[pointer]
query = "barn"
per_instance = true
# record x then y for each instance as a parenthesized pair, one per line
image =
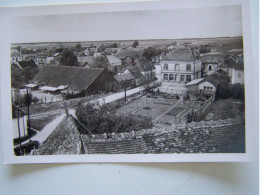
(76, 79)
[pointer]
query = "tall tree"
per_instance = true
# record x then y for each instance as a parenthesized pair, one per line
(68, 59)
(135, 44)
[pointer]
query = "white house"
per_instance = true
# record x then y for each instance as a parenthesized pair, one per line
(113, 60)
(235, 68)
(16, 55)
(178, 68)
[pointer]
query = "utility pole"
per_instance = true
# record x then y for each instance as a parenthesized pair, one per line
(125, 89)
(29, 123)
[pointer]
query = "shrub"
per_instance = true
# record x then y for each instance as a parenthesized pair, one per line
(235, 91)
(104, 119)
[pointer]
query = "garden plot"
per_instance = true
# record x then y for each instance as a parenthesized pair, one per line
(151, 107)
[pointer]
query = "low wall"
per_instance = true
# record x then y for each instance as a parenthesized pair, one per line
(158, 129)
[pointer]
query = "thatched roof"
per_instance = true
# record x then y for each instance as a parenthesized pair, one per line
(76, 78)
(182, 54)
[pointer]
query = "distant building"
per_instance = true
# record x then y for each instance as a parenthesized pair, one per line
(145, 67)
(135, 72)
(235, 68)
(21, 65)
(16, 55)
(212, 61)
(113, 60)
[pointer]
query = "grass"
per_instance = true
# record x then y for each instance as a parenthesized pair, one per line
(39, 123)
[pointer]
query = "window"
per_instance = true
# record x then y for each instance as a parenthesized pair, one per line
(205, 87)
(165, 77)
(210, 67)
(176, 77)
(188, 78)
(188, 67)
(171, 77)
(165, 66)
(211, 88)
(182, 77)
(177, 67)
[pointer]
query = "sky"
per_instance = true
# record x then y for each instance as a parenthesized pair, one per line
(158, 24)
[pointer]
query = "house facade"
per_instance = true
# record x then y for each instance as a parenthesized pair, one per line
(180, 67)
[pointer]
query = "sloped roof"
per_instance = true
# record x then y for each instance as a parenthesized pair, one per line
(181, 54)
(65, 139)
(113, 59)
(215, 78)
(135, 72)
(27, 64)
(143, 64)
(15, 52)
(213, 58)
(124, 77)
(76, 78)
(133, 53)
(194, 82)
(236, 62)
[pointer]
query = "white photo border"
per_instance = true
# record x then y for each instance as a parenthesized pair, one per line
(8, 15)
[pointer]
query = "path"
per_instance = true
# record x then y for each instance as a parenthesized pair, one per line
(117, 96)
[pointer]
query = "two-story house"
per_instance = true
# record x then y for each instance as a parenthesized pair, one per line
(178, 68)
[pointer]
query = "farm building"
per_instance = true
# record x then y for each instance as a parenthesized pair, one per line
(135, 72)
(211, 62)
(235, 68)
(208, 85)
(145, 67)
(76, 79)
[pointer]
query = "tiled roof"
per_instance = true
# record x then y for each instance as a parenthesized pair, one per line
(124, 77)
(133, 53)
(143, 64)
(27, 64)
(135, 72)
(236, 62)
(184, 54)
(113, 60)
(75, 77)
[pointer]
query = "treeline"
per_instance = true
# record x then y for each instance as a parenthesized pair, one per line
(225, 91)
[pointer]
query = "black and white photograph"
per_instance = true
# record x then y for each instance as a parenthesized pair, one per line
(139, 83)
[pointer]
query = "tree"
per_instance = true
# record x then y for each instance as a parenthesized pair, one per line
(78, 46)
(135, 44)
(68, 59)
(100, 62)
(151, 52)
